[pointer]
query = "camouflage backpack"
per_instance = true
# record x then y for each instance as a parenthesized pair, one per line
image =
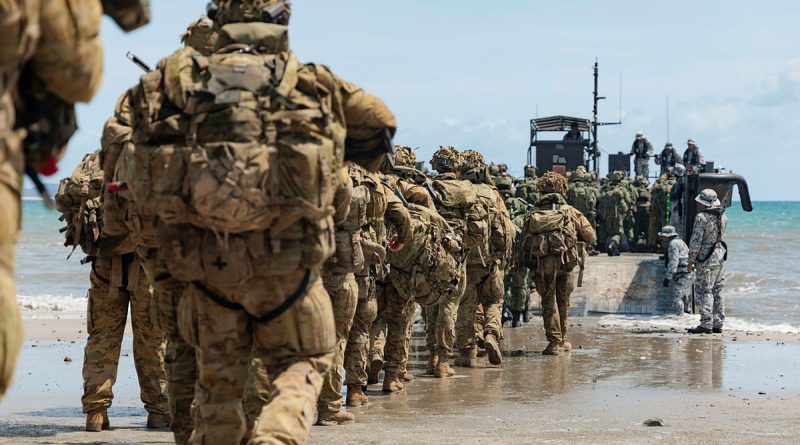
(582, 197)
(501, 237)
(426, 267)
(549, 232)
(460, 205)
(244, 146)
(349, 254)
(78, 200)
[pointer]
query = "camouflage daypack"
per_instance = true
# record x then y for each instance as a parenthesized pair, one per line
(78, 200)
(243, 146)
(426, 267)
(549, 233)
(458, 203)
(583, 198)
(349, 254)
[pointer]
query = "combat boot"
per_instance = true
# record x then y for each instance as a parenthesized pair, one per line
(407, 376)
(97, 421)
(392, 383)
(356, 396)
(493, 349)
(443, 368)
(516, 319)
(699, 330)
(433, 361)
(158, 421)
(329, 418)
(468, 358)
(552, 348)
(526, 316)
(375, 367)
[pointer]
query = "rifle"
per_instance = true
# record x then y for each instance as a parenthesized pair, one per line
(139, 62)
(276, 12)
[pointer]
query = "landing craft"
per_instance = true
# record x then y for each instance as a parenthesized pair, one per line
(630, 284)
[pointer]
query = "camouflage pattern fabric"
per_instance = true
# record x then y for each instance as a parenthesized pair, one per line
(295, 349)
(681, 281)
(397, 319)
(554, 286)
(10, 322)
(343, 291)
(707, 254)
(659, 212)
(118, 283)
(179, 357)
(484, 287)
(356, 353)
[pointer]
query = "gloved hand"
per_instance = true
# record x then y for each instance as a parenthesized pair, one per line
(666, 282)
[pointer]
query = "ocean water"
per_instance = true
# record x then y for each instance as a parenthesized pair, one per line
(763, 268)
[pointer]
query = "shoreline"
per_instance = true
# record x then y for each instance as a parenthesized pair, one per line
(704, 388)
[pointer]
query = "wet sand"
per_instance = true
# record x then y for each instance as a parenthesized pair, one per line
(729, 388)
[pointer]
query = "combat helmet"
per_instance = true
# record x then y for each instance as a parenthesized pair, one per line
(242, 11)
(472, 159)
(446, 160)
(615, 177)
(552, 182)
(641, 181)
(529, 172)
(404, 156)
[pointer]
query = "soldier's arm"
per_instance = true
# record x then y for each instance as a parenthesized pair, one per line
(585, 230)
(69, 56)
(341, 199)
(416, 195)
(398, 217)
(696, 242)
(673, 253)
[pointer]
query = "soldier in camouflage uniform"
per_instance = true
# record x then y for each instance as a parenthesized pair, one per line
(389, 227)
(250, 249)
(118, 282)
(583, 194)
(51, 55)
(707, 255)
(553, 270)
(518, 282)
(659, 208)
(678, 278)
(526, 189)
(641, 214)
(485, 282)
(614, 207)
(677, 196)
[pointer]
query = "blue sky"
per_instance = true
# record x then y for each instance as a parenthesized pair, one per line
(472, 74)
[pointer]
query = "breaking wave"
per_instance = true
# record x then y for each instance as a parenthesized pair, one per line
(679, 324)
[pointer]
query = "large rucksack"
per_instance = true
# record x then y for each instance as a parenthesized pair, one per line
(78, 200)
(244, 147)
(583, 198)
(426, 267)
(550, 233)
(501, 234)
(459, 204)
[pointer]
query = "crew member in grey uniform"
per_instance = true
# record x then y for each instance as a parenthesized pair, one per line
(693, 158)
(707, 254)
(642, 151)
(668, 158)
(678, 279)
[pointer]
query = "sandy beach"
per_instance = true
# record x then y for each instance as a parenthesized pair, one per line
(737, 387)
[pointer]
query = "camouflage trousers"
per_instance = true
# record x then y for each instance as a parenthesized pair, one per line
(119, 282)
(440, 320)
(356, 352)
(399, 316)
(484, 287)
(680, 290)
(179, 358)
(296, 350)
(642, 166)
(709, 284)
(343, 291)
(10, 323)
(519, 292)
(554, 287)
(614, 230)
